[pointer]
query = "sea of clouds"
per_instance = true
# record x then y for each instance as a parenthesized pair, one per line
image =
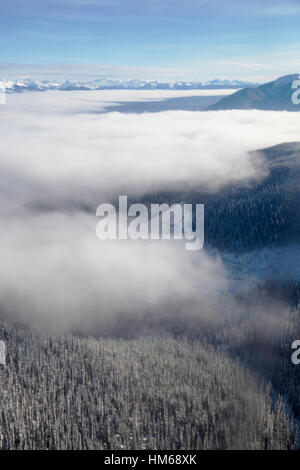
(64, 153)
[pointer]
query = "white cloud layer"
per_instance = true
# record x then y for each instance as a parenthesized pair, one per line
(58, 150)
(58, 146)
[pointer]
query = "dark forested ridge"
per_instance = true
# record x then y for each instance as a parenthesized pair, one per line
(255, 215)
(265, 214)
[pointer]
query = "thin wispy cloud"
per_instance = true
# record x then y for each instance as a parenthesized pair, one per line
(280, 10)
(156, 38)
(247, 65)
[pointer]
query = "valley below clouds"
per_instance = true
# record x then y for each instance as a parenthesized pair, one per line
(64, 153)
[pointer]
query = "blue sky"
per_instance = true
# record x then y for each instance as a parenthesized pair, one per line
(149, 39)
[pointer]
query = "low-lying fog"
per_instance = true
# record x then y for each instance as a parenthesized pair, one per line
(61, 151)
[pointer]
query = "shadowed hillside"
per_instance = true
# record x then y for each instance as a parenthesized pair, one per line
(275, 96)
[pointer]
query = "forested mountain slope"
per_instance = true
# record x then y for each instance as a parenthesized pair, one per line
(76, 393)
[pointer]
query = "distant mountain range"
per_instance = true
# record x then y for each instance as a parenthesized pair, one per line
(106, 84)
(274, 96)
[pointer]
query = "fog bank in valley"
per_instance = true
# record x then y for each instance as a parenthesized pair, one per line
(60, 156)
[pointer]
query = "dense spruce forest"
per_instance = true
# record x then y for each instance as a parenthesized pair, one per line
(232, 386)
(81, 393)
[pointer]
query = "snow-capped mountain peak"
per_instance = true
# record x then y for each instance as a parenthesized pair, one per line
(102, 83)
